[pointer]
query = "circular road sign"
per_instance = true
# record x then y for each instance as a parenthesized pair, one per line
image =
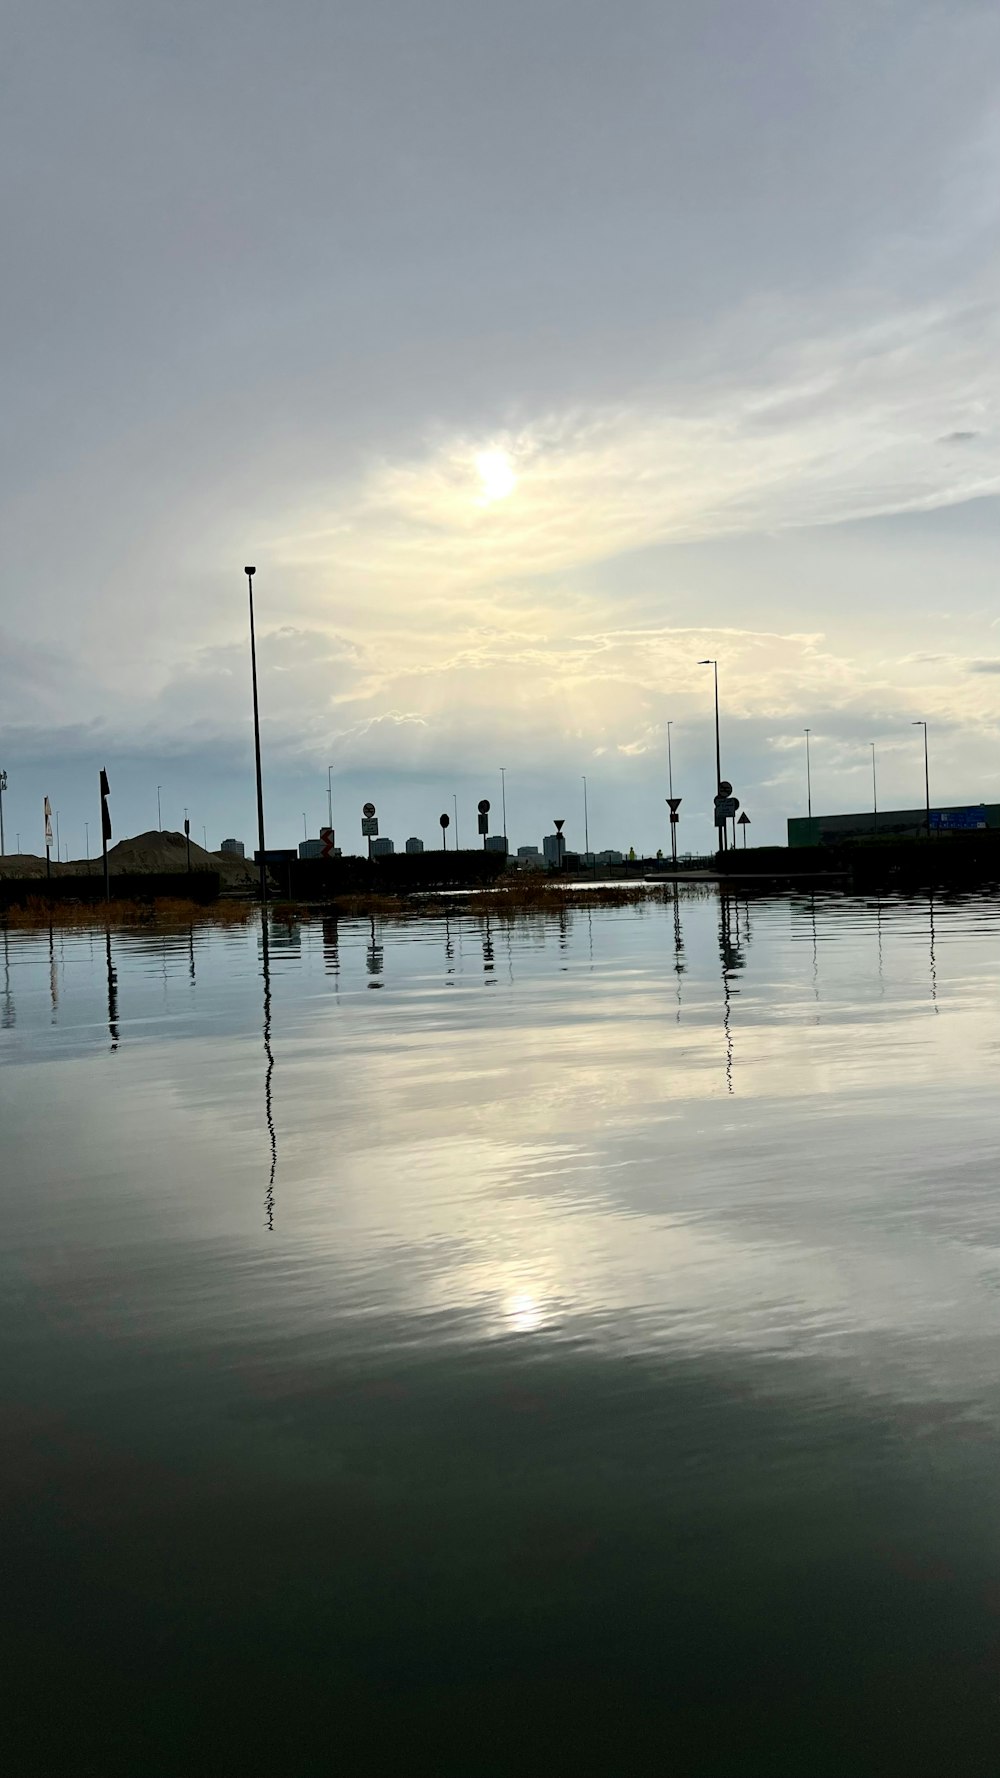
(484, 807)
(445, 820)
(369, 810)
(725, 788)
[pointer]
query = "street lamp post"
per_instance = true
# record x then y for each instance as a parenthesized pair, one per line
(329, 795)
(3, 786)
(919, 723)
(250, 572)
(586, 823)
(874, 789)
(809, 786)
(159, 817)
(503, 805)
(718, 750)
(454, 798)
(670, 785)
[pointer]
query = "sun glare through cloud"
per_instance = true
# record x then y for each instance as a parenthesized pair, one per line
(496, 476)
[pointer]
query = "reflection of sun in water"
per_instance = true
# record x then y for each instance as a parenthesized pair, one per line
(523, 1312)
(496, 476)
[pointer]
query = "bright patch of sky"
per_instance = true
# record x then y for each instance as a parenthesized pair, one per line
(532, 353)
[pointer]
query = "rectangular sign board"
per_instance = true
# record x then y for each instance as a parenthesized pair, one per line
(942, 819)
(369, 827)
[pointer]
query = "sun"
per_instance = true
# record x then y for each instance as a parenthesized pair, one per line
(496, 476)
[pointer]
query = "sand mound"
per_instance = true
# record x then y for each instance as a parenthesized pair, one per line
(144, 852)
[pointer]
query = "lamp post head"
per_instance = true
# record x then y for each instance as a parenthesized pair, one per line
(249, 570)
(706, 663)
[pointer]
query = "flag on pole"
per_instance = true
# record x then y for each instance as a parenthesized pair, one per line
(105, 811)
(48, 822)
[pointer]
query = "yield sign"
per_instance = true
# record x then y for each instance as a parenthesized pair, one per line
(674, 803)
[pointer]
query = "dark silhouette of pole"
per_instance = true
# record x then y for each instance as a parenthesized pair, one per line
(809, 786)
(718, 749)
(927, 775)
(329, 795)
(874, 788)
(503, 805)
(3, 786)
(586, 823)
(105, 831)
(670, 783)
(250, 572)
(454, 798)
(159, 817)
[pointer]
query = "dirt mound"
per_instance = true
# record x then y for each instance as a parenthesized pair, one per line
(144, 852)
(167, 851)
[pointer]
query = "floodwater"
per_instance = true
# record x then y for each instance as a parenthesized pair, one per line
(565, 1347)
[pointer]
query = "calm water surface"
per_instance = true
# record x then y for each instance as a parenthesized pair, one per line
(567, 1347)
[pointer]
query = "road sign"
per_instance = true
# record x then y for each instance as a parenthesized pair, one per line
(369, 827)
(484, 822)
(369, 810)
(445, 820)
(744, 820)
(674, 817)
(559, 825)
(725, 788)
(725, 809)
(484, 807)
(326, 841)
(187, 825)
(674, 803)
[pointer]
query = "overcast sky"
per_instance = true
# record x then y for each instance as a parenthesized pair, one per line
(531, 352)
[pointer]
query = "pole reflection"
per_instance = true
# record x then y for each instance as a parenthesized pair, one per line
(374, 958)
(112, 991)
(268, 1071)
(7, 1016)
(679, 964)
(732, 961)
(930, 917)
(53, 976)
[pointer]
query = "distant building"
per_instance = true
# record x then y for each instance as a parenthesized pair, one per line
(831, 830)
(232, 849)
(609, 857)
(554, 848)
(497, 842)
(414, 845)
(310, 848)
(527, 852)
(382, 848)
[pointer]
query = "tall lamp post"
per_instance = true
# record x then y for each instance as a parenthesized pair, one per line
(250, 572)
(3, 786)
(809, 783)
(874, 788)
(670, 785)
(718, 751)
(329, 795)
(586, 823)
(503, 805)
(454, 798)
(159, 817)
(919, 723)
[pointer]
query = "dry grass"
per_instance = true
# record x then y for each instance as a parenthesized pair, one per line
(38, 913)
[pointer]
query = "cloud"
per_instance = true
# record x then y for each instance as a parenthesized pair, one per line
(984, 666)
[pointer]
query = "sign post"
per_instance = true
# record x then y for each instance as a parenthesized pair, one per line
(369, 825)
(484, 819)
(445, 821)
(48, 837)
(326, 842)
(3, 786)
(744, 822)
(725, 809)
(559, 825)
(674, 804)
